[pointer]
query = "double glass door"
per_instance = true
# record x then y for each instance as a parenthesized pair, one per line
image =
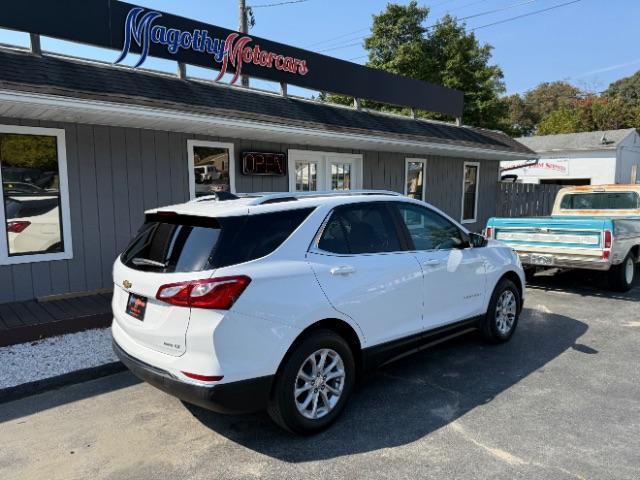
(318, 171)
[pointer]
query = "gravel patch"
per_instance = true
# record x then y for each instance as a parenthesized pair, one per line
(28, 362)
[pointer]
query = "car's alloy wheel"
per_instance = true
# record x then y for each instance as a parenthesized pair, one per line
(313, 383)
(319, 383)
(506, 310)
(500, 322)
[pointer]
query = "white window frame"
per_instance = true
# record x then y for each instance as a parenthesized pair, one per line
(423, 161)
(65, 214)
(475, 207)
(191, 163)
(324, 159)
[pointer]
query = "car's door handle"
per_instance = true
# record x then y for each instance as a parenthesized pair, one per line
(432, 262)
(342, 270)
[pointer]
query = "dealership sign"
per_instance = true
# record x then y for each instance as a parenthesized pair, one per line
(234, 50)
(134, 30)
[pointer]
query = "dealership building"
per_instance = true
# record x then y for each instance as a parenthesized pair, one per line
(86, 147)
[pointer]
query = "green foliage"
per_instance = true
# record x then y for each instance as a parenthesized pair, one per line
(28, 151)
(589, 114)
(628, 89)
(445, 54)
(527, 111)
(562, 120)
(602, 113)
(550, 96)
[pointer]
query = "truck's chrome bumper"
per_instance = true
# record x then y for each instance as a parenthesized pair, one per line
(529, 259)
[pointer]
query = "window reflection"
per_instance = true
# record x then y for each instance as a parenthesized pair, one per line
(211, 168)
(470, 192)
(31, 193)
(415, 180)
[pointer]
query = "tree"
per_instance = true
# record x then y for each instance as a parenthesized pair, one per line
(519, 120)
(602, 113)
(455, 58)
(526, 112)
(627, 89)
(589, 114)
(550, 96)
(563, 120)
(445, 54)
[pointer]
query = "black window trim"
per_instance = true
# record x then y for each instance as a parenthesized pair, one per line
(466, 242)
(398, 227)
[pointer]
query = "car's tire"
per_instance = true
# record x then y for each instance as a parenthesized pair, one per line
(621, 277)
(501, 319)
(296, 413)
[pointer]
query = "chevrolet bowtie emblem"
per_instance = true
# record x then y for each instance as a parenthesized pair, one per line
(127, 284)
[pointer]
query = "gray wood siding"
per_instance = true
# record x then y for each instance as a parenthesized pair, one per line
(116, 173)
(382, 170)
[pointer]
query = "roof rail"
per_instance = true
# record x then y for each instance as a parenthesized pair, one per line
(273, 197)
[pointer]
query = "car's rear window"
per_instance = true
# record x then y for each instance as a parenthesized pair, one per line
(601, 201)
(180, 243)
(30, 206)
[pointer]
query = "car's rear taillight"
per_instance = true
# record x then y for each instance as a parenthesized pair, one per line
(488, 232)
(18, 226)
(607, 244)
(219, 293)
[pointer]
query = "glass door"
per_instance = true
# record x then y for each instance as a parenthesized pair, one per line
(311, 171)
(306, 173)
(341, 172)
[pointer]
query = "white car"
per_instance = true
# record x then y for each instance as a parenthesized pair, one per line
(33, 224)
(281, 301)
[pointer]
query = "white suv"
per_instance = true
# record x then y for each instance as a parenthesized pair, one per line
(280, 301)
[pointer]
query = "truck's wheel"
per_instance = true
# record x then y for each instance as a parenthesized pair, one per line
(621, 276)
(529, 273)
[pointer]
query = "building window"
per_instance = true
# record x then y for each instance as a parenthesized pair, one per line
(306, 176)
(211, 168)
(414, 174)
(311, 171)
(470, 192)
(340, 176)
(35, 203)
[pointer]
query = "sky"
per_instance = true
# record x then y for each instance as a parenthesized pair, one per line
(589, 43)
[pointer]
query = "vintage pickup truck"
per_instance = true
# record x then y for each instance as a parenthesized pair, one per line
(592, 227)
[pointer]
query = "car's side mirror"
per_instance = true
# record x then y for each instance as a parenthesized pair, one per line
(477, 241)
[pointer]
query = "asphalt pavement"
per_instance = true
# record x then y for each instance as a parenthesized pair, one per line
(560, 401)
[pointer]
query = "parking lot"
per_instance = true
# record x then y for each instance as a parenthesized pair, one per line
(560, 401)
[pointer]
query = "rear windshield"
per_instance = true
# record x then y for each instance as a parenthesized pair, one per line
(180, 243)
(17, 207)
(601, 201)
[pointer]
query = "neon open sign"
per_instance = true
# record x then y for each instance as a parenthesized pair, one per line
(259, 163)
(234, 50)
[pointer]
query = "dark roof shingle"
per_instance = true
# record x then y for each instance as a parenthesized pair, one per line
(62, 76)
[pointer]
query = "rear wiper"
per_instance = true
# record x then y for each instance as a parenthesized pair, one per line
(147, 262)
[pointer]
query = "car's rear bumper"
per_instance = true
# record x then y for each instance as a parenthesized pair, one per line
(565, 261)
(236, 397)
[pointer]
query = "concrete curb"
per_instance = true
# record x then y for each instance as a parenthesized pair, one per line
(10, 394)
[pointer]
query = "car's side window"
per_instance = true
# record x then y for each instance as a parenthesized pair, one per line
(360, 228)
(429, 230)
